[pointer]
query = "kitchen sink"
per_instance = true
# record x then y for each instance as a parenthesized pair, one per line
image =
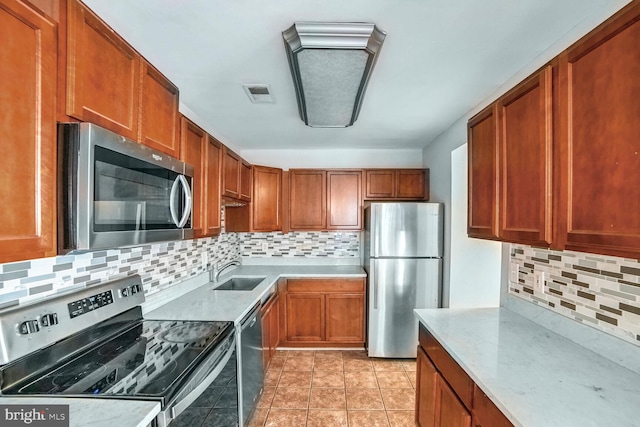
(239, 284)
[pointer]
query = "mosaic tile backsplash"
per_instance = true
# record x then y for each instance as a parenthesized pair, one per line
(160, 265)
(596, 290)
(300, 244)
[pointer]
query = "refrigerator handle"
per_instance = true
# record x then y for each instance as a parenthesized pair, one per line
(374, 284)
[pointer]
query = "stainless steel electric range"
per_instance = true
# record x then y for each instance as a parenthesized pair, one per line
(96, 343)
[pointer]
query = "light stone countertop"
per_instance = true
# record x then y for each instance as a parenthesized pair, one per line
(97, 412)
(206, 304)
(536, 377)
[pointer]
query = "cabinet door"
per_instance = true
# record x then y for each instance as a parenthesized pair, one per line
(412, 184)
(159, 116)
(426, 378)
(344, 200)
(231, 165)
(525, 161)
(598, 149)
(485, 412)
(305, 317)
(246, 181)
(265, 317)
(193, 148)
(267, 202)
(344, 317)
(482, 215)
(308, 202)
(103, 74)
(213, 178)
(450, 412)
(28, 127)
(274, 326)
(380, 184)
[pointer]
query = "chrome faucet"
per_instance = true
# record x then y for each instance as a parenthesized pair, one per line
(224, 267)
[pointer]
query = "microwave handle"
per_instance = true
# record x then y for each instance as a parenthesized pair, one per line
(180, 180)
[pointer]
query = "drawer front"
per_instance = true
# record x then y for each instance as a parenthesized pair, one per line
(457, 378)
(325, 285)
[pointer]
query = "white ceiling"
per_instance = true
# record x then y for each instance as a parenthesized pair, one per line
(440, 59)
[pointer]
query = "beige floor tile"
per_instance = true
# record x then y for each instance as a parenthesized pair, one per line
(266, 398)
(322, 418)
(409, 365)
(360, 379)
(357, 365)
(291, 398)
(328, 365)
(328, 354)
(272, 376)
(368, 419)
(286, 418)
(327, 379)
(412, 379)
(398, 398)
(299, 363)
(295, 379)
(355, 354)
(327, 398)
(364, 398)
(401, 418)
(381, 365)
(281, 353)
(277, 362)
(393, 379)
(301, 353)
(259, 417)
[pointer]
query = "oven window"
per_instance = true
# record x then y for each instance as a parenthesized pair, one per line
(131, 194)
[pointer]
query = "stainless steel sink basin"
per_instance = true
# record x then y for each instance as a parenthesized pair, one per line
(239, 284)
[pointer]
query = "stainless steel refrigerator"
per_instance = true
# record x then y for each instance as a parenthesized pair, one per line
(403, 259)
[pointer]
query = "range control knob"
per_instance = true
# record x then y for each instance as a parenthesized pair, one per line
(49, 319)
(126, 291)
(28, 327)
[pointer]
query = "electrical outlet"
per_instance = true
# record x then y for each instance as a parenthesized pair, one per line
(205, 258)
(538, 281)
(513, 272)
(265, 246)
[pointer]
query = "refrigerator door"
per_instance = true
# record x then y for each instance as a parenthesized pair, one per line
(406, 230)
(395, 288)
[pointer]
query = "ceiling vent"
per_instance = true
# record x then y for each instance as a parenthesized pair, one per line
(259, 94)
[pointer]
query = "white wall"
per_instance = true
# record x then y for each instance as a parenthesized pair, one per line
(347, 158)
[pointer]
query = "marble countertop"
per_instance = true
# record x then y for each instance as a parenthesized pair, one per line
(536, 377)
(97, 412)
(206, 304)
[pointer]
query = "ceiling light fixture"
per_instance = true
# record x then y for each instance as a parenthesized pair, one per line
(331, 64)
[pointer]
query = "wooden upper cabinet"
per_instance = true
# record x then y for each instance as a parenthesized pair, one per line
(482, 214)
(159, 116)
(246, 181)
(412, 184)
(598, 149)
(344, 199)
(212, 186)
(193, 149)
(267, 199)
(380, 183)
(525, 116)
(398, 184)
(103, 74)
(28, 128)
(231, 165)
(308, 199)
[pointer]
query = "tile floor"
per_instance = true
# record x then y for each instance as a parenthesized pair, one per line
(336, 388)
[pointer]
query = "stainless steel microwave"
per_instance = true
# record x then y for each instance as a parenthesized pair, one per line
(115, 192)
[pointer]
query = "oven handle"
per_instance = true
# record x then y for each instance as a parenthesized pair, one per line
(183, 404)
(180, 179)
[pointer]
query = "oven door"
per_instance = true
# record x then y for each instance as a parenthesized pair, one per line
(120, 193)
(204, 375)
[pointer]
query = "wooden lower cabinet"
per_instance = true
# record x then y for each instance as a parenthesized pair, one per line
(270, 317)
(324, 312)
(445, 395)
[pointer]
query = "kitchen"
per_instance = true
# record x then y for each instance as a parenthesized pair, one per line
(476, 272)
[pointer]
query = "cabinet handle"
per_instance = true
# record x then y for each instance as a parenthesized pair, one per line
(188, 201)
